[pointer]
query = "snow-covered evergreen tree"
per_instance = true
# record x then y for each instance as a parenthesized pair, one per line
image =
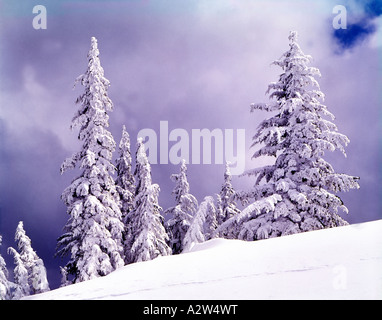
(5, 293)
(251, 223)
(183, 212)
(226, 206)
(211, 223)
(203, 225)
(298, 135)
(125, 183)
(93, 237)
(21, 283)
(64, 277)
(36, 272)
(146, 236)
(125, 179)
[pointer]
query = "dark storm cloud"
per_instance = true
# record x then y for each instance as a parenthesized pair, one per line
(30, 191)
(373, 8)
(195, 66)
(360, 24)
(355, 33)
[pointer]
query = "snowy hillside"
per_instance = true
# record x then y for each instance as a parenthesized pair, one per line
(339, 263)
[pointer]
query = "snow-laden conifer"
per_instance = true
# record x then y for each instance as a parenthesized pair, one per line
(93, 233)
(250, 223)
(21, 287)
(64, 277)
(125, 182)
(125, 179)
(211, 222)
(297, 135)
(226, 205)
(146, 236)
(36, 272)
(5, 293)
(203, 225)
(182, 213)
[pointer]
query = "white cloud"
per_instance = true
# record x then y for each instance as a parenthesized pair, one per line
(375, 40)
(34, 106)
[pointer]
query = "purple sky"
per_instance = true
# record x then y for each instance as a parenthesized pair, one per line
(196, 64)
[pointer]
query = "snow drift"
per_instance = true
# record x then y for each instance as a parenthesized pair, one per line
(339, 263)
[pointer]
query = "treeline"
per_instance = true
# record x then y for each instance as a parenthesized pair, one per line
(114, 222)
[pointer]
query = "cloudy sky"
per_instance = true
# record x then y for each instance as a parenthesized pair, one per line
(195, 64)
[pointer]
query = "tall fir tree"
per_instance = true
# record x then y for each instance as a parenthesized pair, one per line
(297, 136)
(5, 293)
(183, 212)
(125, 184)
(125, 181)
(226, 205)
(36, 272)
(146, 236)
(93, 237)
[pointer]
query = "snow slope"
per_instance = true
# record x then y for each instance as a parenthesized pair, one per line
(339, 263)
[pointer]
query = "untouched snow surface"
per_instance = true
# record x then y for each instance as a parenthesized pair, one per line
(338, 263)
